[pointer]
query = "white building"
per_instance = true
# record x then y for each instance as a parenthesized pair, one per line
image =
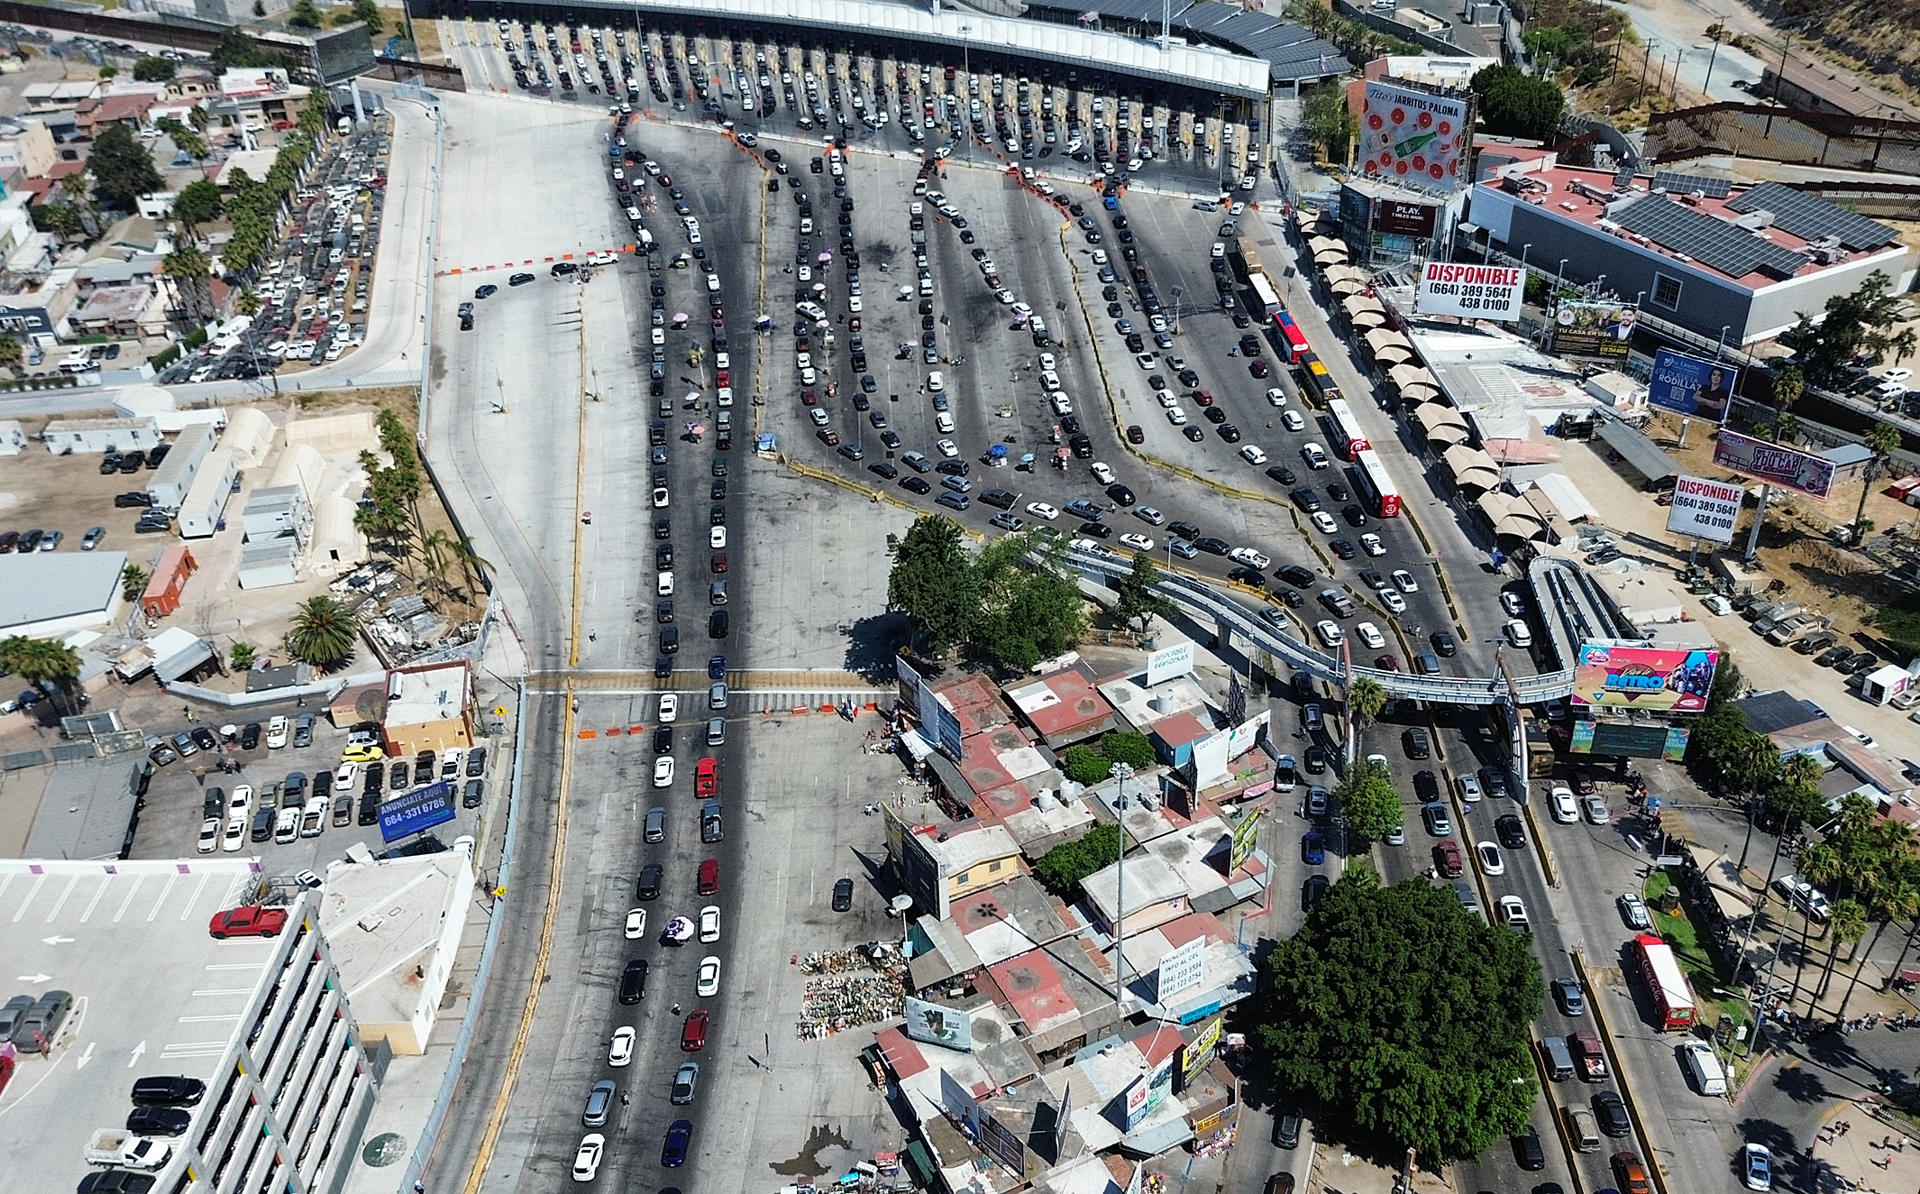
(44, 594)
(206, 501)
(395, 925)
(65, 437)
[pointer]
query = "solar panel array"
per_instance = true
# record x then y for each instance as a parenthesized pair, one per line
(1713, 242)
(1712, 188)
(1811, 217)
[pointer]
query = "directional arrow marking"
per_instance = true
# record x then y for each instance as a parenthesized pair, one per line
(138, 1051)
(57, 940)
(32, 978)
(80, 1062)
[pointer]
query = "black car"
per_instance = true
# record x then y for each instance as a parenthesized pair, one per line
(1511, 832)
(1316, 759)
(647, 887)
(204, 739)
(1342, 548)
(1096, 530)
(1184, 530)
(1355, 516)
(881, 468)
(250, 736)
(1611, 1113)
(1313, 890)
(916, 485)
(843, 894)
(633, 983)
(1212, 545)
(262, 825)
(158, 1121)
(1861, 661)
(475, 793)
(476, 762)
(397, 776)
(519, 279)
(1286, 1128)
(663, 740)
(1120, 494)
(1443, 643)
(1295, 574)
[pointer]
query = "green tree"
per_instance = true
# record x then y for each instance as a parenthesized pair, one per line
(1061, 869)
(1130, 747)
(304, 15)
(185, 139)
(1850, 324)
(11, 353)
(1728, 683)
(133, 581)
(1133, 597)
(1847, 925)
(473, 566)
(1895, 895)
(191, 273)
(1370, 801)
(1028, 613)
(323, 633)
(1787, 389)
(1085, 764)
(108, 71)
(122, 168)
(40, 661)
(934, 582)
(1365, 699)
(74, 187)
(247, 303)
(56, 218)
(237, 50)
(1405, 1018)
(1883, 440)
(242, 656)
(1330, 126)
(151, 68)
(1516, 104)
(367, 12)
(197, 203)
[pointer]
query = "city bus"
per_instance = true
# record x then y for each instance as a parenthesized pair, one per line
(1370, 477)
(1264, 295)
(1315, 382)
(1292, 339)
(1348, 440)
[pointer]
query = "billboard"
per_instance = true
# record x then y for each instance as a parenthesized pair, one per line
(1596, 330)
(1705, 509)
(938, 1025)
(1196, 1053)
(1415, 134)
(958, 1102)
(1002, 1145)
(1181, 969)
(1134, 1103)
(416, 812)
(1401, 218)
(1471, 291)
(1774, 464)
(1692, 385)
(1629, 740)
(1243, 842)
(946, 729)
(909, 682)
(1168, 662)
(1662, 679)
(1210, 760)
(920, 872)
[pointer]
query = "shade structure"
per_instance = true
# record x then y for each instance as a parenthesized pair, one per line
(1409, 376)
(1471, 466)
(1327, 246)
(1344, 288)
(1441, 424)
(1343, 270)
(1366, 318)
(1384, 342)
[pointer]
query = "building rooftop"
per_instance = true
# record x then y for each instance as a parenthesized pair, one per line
(86, 809)
(427, 694)
(1150, 879)
(384, 918)
(114, 303)
(1502, 383)
(153, 993)
(1053, 989)
(1007, 919)
(1228, 972)
(1141, 706)
(964, 849)
(43, 586)
(1063, 707)
(1829, 88)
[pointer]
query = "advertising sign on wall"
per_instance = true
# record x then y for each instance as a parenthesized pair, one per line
(938, 1025)
(1704, 509)
(1414, 134)
(1197, 1052)
(1181, 968)
(1002, 1145)
(1774, 464)
(1399, 217)
(1133, 1107)
(1210, 760)
(946, 729)
(909, 682)
(416, 812)
(1249, 734)
(1176, 659)
(1663, 679)
(1243, 838)
(1623, 740)
(1691, 385)
(920, 871)
(1596, 330)
(1471, 291)
(958, 1102)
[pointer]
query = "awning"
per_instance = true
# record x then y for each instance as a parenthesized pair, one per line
(917, 746)
(182, 662)
(1515, 528)
(1471, 466)
(1320, 245)
(1345, 287)
(919, 1164)
(1342, 270)
(1642, 454)
(1354, 304)
(1407, 377)
(1433, 416)
(1385, 340)
(1496, 506)
(1367, 317)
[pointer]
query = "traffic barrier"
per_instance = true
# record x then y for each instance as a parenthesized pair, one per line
(586, 734)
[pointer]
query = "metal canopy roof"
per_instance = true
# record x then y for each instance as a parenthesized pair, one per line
(1291, 52)
(1647, 458)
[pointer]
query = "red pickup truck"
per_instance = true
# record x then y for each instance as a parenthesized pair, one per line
(248, 920)
(706, 778)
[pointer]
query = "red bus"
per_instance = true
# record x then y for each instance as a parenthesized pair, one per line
(1371, 478)
(1291, 337)
(1348, 440)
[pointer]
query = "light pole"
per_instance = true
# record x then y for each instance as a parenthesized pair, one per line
(1524, 250)
(966, 67)
(1560, 274)
(1123, 773)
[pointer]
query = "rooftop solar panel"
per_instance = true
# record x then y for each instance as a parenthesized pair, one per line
(1713, 242)
(1712, 188)
(1811, 217)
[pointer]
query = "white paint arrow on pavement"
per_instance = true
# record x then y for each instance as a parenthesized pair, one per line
(31, 978)
(57, 940)
(138, 1050)
(80, 1062)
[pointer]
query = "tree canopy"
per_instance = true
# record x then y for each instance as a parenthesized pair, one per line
(1405, 1017)
(1061, 869)
(323, 633)
(996, 605)
(237, 50)
(151, 68)
(1850, 324)
(1090, 763)
(1370, 801)
(1514, 103)
(122, 168)
(197, 203)
(1133, 597)
(933, 582)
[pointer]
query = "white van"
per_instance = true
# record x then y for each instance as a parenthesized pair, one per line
(77, 362)
(1703, 1067)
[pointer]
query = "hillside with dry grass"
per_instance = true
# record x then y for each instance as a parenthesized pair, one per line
(1879, 37)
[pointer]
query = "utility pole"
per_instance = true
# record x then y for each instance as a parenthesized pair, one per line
(1123, 773)
(1719, 27)
(1645, 62)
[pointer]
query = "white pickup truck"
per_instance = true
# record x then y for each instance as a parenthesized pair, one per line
(117, 1146)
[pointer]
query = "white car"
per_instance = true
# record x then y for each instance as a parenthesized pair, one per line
(1042, 511)
(1596, 808)
(709, 981)
(669, 707)
(1101, 472)
(1370, 543)
(1292, 420)
(1513, 913)
(936, 381)
(1517, 633)
(210, 835)
(661, 497)
(663, 771)
(717, 537)
(343, 777)
(1489, 856)
(1250, 557)
(1370, 635)
(1315, 455)
(1329, 632)
(235, 835)
(620, 1049)
(636, 923)
(1277, 396)
(1634, 909)
(947, 448)
(1176, 416)
(1136, 541)
(1323, 522)
(663, 584)
(1253, 454)
(710, 923)
(586, 1159)
(240, 801)
(278, 729)
(1565, 810)
(1395, 603)
(1404, 580)
(1166, 399)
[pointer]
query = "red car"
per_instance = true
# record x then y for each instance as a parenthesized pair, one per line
(248, 920)
(706, 778)
(1203, 397)
(693, 1034)
(808, 397)
(723, 377)
(1136, 434)
(1387, 663)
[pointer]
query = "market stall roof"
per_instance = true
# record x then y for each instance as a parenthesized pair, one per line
(1385, 341)
(1409, 376)
(1432, 416)
(1343, 287)
(1471, 466)
(1367, 317)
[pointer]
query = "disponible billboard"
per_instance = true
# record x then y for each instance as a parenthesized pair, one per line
(1662, 679)
(1414, 134)
(1691, 385)
(1774, 464)
(1705, 509)
(1599, 331)
(1471, 291)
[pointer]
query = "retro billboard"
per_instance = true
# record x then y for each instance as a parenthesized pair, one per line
(1774, 464)
(1470, 291)
(1414, 134)
(1599, 331)
(1662, 679)
(416, 812)
(1705, 509)
(1629, 740)
(1692, 385)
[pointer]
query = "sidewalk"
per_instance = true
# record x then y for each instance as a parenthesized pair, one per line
(1858, 1149)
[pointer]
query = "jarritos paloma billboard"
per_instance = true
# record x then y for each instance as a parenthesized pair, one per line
(1416, 134)
(1626, 676)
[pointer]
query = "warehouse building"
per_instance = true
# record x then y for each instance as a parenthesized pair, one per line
(45, 594)
(206, 501)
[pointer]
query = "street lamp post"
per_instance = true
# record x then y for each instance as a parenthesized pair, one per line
(1123, 773)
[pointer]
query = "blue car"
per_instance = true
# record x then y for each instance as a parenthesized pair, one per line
(673, 1154)
(717, 667)
(1314, 847)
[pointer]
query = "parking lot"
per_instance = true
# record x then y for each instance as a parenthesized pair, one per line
(74, 494)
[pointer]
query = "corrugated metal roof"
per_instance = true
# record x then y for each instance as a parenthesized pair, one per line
(43, 585)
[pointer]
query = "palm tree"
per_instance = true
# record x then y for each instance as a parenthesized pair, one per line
(1883, 440)
(1848, 925)
(1365, 699)
(436, 548)
(1787, 389)
(248, 303)
(37, 660)
(1895, 897)
(243, 655)
(323, 633)
(75, 185)
(473, 566)
(133, 581)
(188, 268)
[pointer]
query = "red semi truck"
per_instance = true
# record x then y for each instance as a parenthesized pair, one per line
(1672, 998)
